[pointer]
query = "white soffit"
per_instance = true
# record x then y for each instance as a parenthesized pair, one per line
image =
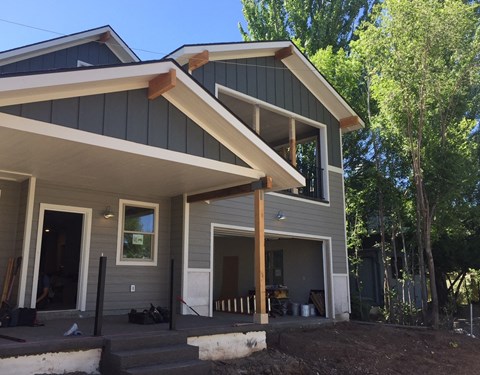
(298, 64)
(187, 95)
(115, 43)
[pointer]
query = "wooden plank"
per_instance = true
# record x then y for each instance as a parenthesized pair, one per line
(260, 293)
(161, 84)
(263, 183)
(292, 142)
(198, 60)
(8, 276)
(350, 122)
(104, 37)
(319, 302)
(284, 53)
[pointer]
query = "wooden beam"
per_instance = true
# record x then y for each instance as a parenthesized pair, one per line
(198, 60)
(260, 315)
(161, 84)
(292, 141)
(349, 122)
(104, 37)
(284, 53)
(263, 183)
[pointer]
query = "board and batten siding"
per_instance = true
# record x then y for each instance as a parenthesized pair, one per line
(152, 282)
(131, 116)
(303, 217)
(93, 53)
(271, 81)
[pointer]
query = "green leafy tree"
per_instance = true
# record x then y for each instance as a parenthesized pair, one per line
(423, 65)
(313, 24)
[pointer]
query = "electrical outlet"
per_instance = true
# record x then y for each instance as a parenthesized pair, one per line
(132, 288)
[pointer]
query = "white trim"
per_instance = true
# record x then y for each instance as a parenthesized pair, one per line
(121, 216)
(212, 260)
(220, 89)
(346, 246)
(84, 250)
(299, 198)
(326, 250)
(27, 237)
(185, 248)
(334, 169)
(80, 136)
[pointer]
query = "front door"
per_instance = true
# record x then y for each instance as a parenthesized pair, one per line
(61, 258)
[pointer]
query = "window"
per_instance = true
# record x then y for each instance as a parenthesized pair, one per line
(274, 267)
(137, 233)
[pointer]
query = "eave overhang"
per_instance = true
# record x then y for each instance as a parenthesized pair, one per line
(187, 95)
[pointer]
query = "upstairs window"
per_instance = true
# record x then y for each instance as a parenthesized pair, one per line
(137, 233)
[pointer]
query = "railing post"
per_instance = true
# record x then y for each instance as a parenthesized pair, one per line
(102, 267)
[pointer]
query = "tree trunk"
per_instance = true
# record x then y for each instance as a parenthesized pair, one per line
(431, 270)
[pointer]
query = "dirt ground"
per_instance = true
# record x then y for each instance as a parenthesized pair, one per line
(354, 348)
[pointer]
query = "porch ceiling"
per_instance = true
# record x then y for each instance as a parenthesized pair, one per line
(151, 172)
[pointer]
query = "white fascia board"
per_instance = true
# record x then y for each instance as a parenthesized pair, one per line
(118, 47)
(229, 51)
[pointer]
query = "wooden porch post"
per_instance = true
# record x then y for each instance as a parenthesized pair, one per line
(293, 146)
(260, 315)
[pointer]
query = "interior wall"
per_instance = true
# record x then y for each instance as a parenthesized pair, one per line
(302, 264)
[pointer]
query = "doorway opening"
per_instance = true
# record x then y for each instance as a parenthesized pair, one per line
(60, 260)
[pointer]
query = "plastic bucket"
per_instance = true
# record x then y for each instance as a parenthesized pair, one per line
(305, 310)
(312, 309)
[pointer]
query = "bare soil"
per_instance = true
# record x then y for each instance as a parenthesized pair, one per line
(354, 348)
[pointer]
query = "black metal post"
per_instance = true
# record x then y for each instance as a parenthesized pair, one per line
(172, 312)
(102, 267)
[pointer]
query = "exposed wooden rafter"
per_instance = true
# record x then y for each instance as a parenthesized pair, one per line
(198, 60)
(284, 53)
(104, 37)
(161, 84)
(350, 122)
(262, 184)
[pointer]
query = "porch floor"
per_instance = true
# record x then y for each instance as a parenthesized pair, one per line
(49, 338)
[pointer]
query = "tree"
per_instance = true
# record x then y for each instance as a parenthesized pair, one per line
(313, 24)
(424, 63)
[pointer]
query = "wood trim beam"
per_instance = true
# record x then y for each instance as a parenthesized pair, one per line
(292, 137)
(350, 122)
(284, 53)
(198, 60)
(256, 118)
(161, 84)
(262, 184)
(105, 37)
(260, 316)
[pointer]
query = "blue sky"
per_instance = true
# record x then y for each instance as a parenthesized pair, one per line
(145, 25)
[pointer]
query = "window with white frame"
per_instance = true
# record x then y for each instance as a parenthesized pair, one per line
(137, 233)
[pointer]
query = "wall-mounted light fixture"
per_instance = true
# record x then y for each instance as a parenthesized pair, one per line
(280, 216)
(108, 214)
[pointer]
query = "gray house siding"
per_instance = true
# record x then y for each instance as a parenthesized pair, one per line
(10, 196)
(152, 283)
(129, 115)
(303, 217)
(270, 80)
(93, 53)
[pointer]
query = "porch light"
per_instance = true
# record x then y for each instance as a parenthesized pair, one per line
(108, 214)
(280, 216)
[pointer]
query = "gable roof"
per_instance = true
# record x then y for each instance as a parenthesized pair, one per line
(187, 95)
(110, 38)
(299, 65)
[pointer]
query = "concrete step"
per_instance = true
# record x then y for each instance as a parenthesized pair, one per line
(152, 356)
(147, 340)
(196, 367)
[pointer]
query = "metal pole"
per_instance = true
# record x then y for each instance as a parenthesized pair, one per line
(172, 324)
(102, 267)
(471, 319)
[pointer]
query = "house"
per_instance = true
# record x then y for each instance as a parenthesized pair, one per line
(191, 158)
